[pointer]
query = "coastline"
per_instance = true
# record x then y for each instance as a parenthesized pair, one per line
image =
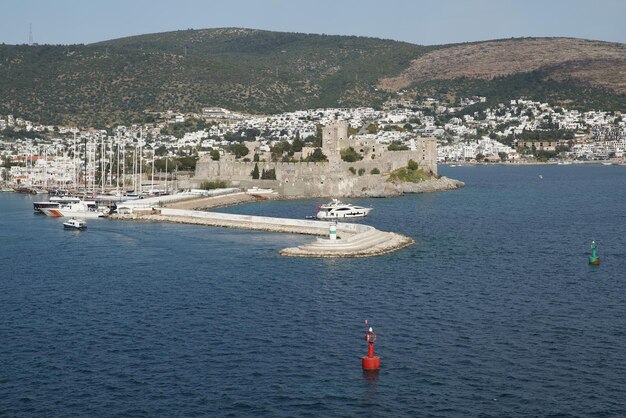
(522, 163)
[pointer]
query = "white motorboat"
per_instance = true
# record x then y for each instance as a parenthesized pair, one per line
(82, 209)
(75, 224)
(336, 209)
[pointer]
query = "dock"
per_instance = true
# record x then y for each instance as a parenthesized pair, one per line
(353, 240)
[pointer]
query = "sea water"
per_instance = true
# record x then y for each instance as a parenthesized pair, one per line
(493, 311)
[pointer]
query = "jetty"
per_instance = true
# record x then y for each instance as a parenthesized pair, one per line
(353, 240)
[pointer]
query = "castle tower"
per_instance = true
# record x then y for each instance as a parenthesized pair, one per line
(333, 136)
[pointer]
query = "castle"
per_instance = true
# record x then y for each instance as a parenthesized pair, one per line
(334, 177)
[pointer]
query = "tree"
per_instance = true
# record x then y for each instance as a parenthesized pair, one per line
(297, 144)
(361, 171)
(215, 155)
(372, 128)
(397, 146)
(255, 172)
(269, 174)
(240, 150)
(317, 156)
(503, 156)
(408, 127)
(412, 165)
(350, 155)
(480, 157)
(160, 151)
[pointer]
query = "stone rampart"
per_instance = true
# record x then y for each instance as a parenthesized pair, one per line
(332, 178)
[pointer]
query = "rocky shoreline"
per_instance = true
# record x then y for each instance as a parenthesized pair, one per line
(439, 184)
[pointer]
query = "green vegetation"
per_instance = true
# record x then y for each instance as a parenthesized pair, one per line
(535, 85)
(180, 163)
(240, 150)
(130, 80)
(411, 174)
(210, 185)
(372, 128)
(269, 174)
(178, 130)
(215, 155)
(397, 146)
(317, 156)
(375, 170)
(352, 170)
(127, 80)
(255, 172)
(350, 155)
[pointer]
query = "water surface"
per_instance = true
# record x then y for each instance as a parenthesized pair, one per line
(493, 311)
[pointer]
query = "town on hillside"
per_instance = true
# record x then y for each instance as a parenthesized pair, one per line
(169, 147)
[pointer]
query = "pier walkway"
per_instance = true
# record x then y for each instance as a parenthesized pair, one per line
(353, 240)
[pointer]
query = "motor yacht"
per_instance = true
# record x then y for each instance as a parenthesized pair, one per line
(336, 209)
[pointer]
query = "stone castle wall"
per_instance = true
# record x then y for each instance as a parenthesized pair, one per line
(332, 178)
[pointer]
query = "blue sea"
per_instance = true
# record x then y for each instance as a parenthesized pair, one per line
(494, 311)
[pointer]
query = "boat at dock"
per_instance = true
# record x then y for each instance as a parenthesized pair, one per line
(336, 209)
(74, 223)
(82, 209)
(54, 203)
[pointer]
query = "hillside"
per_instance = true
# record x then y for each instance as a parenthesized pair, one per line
(240, 69)
(122, 80)
(587, 74)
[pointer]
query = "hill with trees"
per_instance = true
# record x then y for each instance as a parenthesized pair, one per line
(125, 80)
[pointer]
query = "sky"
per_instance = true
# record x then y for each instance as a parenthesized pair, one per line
(418, 21)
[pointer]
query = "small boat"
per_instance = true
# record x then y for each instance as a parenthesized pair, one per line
(336, 209)
(74, 223)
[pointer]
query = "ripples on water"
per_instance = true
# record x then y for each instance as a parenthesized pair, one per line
(493, 311)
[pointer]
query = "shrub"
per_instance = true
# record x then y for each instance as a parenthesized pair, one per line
(209, 185)
(375, 171)
(361, 171)
(350, 155)
(412, 165)
(397, 146)
(352, 170)
(403, 174)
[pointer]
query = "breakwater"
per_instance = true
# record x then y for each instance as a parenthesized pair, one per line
(353, 240)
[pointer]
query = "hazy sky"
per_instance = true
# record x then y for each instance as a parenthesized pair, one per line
(417, 21)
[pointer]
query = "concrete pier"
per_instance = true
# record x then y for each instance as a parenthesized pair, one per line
(353, 240)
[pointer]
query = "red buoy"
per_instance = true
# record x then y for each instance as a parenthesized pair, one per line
(370, 362)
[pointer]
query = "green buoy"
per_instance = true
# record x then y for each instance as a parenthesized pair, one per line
(594, 259)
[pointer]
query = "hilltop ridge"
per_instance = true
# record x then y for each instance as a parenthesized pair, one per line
(125, 80)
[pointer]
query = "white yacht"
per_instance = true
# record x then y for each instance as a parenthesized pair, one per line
(336, 209)
(82, 209)
(75, 224)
